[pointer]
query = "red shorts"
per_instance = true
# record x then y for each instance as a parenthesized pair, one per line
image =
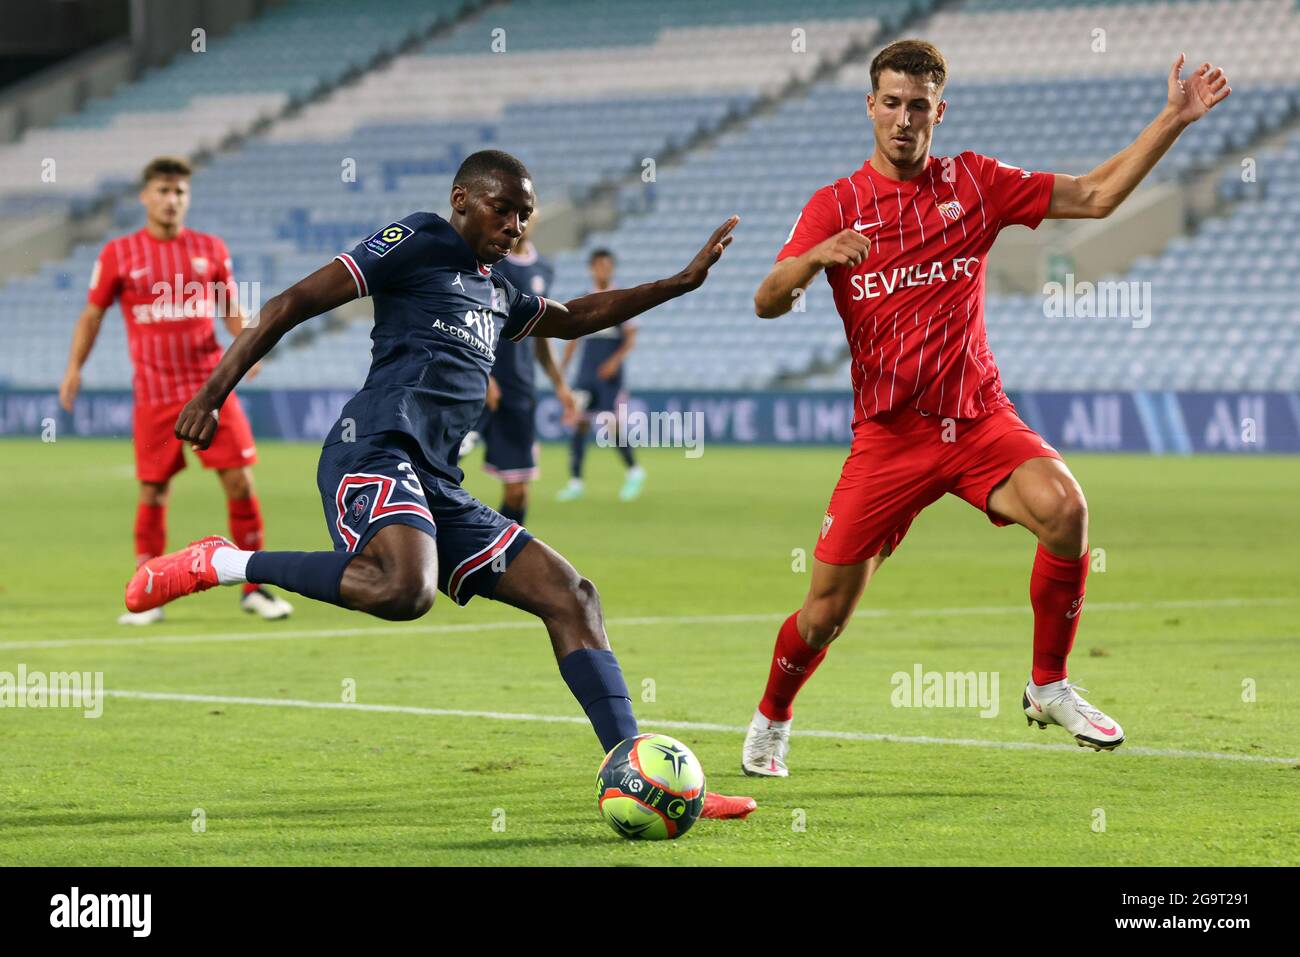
(159, 454)
(901, 462)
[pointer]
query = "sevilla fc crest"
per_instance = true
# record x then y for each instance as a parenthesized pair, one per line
(950, 210)
(826, 523)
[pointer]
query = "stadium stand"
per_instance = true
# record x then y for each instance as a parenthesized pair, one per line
(756, 143)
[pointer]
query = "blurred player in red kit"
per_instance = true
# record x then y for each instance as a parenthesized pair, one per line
(903, 242)
(172, 282)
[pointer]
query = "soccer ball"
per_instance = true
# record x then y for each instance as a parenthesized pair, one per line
(650, 788)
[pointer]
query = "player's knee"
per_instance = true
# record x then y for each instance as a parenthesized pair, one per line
(405, 595)
(824, 619)
(515, 496)
(1068, 523)
(153, 493)
(585, 598)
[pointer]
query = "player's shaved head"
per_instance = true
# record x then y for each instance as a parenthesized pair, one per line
(481, 168)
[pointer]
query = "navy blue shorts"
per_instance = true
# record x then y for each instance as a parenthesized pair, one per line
(510, 442)
(603, 395)
(383, 480)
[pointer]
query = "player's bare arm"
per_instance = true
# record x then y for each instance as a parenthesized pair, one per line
(327, 288)
(546, 359)
(601, 310)
(83, 340)
(1097, 194)
(776, 295)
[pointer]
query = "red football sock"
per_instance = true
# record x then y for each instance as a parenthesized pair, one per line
(793, 663)
(1056, 593)
(246, 527)
(150, 532)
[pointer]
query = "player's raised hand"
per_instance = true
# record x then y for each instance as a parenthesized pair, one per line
(197, 423)
(697, 270)
(1193, 97)
(848, 247)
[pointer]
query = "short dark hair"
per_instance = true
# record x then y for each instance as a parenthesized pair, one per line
(601, 253)
(165, 166)
(487, 163)
(913, 57)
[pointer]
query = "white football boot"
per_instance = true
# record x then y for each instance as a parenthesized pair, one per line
(1060, 703)
(263, 603)
(766, 744)
(150, 617)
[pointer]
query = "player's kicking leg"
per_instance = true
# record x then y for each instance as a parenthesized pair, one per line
(542, 582)
(800, 647)
(1044, 497)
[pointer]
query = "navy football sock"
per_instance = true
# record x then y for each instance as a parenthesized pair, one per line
(597, 682)
(514, 514)
(577, 449)
(314, 574)
(625, 451)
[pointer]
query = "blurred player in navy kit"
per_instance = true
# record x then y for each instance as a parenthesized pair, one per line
(508, 426)
(599, 385)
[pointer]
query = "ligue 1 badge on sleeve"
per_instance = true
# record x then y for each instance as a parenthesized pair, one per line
(382, 242)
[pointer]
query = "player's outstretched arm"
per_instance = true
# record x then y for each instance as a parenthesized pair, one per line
(600, 310)
(327, 288)
(1098, 193)
(789, 277)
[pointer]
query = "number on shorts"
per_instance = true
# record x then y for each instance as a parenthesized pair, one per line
(411, 483)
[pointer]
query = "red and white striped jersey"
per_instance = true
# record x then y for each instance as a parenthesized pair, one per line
(913, 311)
(170, 290)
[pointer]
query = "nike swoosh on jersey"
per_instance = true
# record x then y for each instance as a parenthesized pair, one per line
(859, 225)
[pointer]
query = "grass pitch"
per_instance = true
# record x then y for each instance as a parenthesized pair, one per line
(1188, 638)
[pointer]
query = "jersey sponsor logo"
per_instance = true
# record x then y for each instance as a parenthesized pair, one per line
(860, 226)
(1024, 173)
(873, 284)
(950, 210)
(458, 282)
(137, 273)
(383, 242)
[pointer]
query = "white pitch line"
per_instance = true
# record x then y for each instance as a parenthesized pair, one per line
(684, 725)
(273, 632)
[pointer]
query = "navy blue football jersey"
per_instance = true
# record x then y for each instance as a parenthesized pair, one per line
(514, 366)
(439, 315)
